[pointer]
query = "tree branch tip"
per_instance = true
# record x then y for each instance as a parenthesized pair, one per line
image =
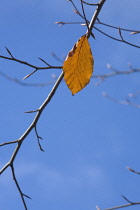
(126, 199)
(134, 32)
(26, 77)
(44, 61)
(128, 168)
(10, 142)
(26, 196)
(37, 110)
(42, 150)
(59, 23)
(9, 52)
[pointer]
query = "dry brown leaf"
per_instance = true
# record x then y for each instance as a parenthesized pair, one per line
(78, 66)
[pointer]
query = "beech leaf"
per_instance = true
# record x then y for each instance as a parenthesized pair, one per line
(78, 66)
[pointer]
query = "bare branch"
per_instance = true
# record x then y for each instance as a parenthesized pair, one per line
(10, 142)
(28, 64)
(29, 129)
(39, 111)
(44, 62)
(100, 23)
(119, 40)
(115, 27)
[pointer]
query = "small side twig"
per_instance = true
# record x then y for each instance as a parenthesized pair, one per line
(10, 142)
(116, 39)
(44, 61)
(9, 52)
(121, 206)
(127, 199)
(38, 139)
(11, 58)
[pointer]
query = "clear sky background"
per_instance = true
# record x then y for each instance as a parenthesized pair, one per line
(88, 139)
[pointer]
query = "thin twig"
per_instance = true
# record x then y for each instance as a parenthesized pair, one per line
(120, 40)
(9, 142)
(86, 21)
(28, 75)
(38, 139)
(127, 199)
(115, 27)
(121, 206)
(99, 23)
(89, 4)
(127, 101)
(30, 65)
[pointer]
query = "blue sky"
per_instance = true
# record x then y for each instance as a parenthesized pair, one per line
(88, 140)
